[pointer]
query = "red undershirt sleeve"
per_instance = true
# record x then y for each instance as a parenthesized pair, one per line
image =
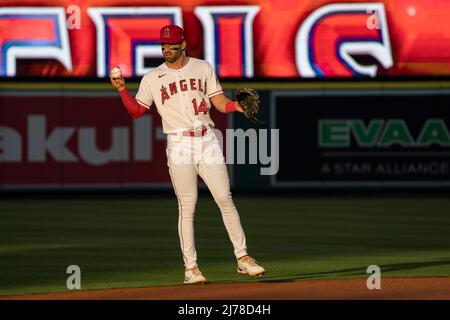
(134, 108)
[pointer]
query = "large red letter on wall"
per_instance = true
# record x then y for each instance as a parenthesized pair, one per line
(125, 36)
(329, 37)
(32, 33)
(229, 38)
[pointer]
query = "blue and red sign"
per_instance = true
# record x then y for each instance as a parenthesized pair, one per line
(257, 39)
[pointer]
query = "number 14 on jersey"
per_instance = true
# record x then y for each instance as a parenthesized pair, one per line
(199, 108)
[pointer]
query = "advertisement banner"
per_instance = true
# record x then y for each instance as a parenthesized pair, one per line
(88, 140)
(245, 39)
(372, 138)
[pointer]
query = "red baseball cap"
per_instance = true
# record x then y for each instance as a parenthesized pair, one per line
(171, 34)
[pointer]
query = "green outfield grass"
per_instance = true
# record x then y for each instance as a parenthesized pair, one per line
(134, 242)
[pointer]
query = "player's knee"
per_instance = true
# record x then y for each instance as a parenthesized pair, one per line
(187, 199)
(224, 200)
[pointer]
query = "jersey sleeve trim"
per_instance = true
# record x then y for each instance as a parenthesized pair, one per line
(143, 104)
(215, 93)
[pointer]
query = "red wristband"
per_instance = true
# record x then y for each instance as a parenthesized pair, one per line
(230, 107)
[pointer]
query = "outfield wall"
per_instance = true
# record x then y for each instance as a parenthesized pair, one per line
(328, 135)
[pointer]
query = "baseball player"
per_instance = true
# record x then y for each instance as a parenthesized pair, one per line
(183, 89)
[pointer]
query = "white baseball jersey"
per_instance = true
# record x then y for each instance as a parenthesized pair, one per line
(181, 95)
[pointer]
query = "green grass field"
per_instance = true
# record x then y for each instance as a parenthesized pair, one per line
(134, 242)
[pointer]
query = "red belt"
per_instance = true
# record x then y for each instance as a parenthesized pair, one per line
(196, 133)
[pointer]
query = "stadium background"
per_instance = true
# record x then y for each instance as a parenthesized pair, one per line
(362, 114)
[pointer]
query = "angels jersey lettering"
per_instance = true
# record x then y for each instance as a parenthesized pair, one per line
(181, 95)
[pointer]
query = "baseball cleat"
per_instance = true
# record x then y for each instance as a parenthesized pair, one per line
(248, 265)
(194, 276)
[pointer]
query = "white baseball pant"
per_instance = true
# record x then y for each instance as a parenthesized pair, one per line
(202, 155)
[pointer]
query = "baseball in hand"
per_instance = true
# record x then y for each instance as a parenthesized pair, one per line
(115, 73)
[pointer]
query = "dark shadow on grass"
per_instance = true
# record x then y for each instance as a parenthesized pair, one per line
(362, 271)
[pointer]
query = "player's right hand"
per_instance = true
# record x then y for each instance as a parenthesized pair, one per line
(118, 83)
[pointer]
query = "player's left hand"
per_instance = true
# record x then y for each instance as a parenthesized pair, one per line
(238, 108)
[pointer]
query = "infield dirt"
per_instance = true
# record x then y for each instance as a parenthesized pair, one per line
(344, 289)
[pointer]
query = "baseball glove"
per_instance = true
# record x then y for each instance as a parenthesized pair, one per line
(248, 100)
